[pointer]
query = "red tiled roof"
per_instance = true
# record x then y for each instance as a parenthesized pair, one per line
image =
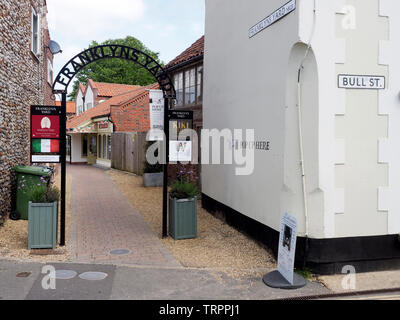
(71, 106)
(195, 50)
(104, 109)
(111, 89)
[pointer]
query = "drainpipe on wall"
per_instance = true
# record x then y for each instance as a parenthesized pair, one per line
(301, 142)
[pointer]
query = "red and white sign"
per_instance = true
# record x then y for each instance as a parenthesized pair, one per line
(45, 127)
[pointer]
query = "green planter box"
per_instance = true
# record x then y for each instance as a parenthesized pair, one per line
(42, 225)
(183, 218)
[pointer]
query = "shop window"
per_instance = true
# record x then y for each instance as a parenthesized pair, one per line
(84, 145)
(104, 147)
(190, 86)
(199, 83)
(109, 147)
(178, 82)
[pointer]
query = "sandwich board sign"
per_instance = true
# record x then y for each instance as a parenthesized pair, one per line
(45, 134)
(287, 247)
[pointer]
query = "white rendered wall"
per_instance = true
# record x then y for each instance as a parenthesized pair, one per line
(89, 98)
(351, 137)
(76, 149)
(240, 76)
(79, 101)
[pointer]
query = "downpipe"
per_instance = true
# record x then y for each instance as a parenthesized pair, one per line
(301, 140)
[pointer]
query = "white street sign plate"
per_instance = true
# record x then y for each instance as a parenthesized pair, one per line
(347, 81)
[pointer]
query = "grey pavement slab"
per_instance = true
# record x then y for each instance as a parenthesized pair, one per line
(192, 284)
(139, 283)
(13, 287)
(76, 288)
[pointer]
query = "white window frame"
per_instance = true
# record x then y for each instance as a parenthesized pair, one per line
(49, 72)
(38, 39)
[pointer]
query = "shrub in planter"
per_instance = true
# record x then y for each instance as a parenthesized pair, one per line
(183, 207)
(152, 173)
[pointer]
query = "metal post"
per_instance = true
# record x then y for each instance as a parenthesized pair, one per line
(165, 169)
(63, 152)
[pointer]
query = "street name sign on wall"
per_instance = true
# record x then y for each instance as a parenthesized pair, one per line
(45, 134)
(287, 247)
(346, 81)
(156, 114)
(272, 18)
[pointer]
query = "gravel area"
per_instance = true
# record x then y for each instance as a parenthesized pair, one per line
(14, 239)
(218, 245)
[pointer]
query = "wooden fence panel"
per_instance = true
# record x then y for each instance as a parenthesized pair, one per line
(128, 151)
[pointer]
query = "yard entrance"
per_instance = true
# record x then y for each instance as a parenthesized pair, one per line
(60, 86)
(105, 228)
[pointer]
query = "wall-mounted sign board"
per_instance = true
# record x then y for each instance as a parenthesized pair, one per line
(347, 81)
(45, 134)
(272, 18)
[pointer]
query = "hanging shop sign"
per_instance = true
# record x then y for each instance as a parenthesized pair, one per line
(180, 145)
(45, 134)
(156, 114)
(287, 247)
(272, 18)
(346, 81)
(103, 125)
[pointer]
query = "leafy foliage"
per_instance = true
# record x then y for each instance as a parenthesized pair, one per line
(42, 192)
(116, 70)
(185, 186)
(185, 190)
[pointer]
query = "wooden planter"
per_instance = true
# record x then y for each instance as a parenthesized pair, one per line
(183, 218)
(42, 225)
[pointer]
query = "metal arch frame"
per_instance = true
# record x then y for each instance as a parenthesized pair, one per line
(73, 67)
(83, 59)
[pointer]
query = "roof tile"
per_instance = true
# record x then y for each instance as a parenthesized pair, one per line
(195, 50)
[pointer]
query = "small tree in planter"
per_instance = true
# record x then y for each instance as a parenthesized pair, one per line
(43, 214)
(183, 206)
(152, 173)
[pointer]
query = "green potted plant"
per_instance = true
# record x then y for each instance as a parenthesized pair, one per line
(183, 206)
(42, 215)
(152, 173)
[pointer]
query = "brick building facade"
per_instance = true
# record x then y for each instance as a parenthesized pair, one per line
(25, 79)
(90, 132)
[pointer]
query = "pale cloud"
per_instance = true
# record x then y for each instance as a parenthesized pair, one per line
(89, 18)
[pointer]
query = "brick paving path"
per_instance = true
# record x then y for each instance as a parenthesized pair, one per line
(103, 220)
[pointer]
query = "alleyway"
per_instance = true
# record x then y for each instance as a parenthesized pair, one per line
(103, 221)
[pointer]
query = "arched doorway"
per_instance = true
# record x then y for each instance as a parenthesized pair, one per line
(72, 68)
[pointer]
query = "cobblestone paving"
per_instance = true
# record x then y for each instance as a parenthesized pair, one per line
(103, 220)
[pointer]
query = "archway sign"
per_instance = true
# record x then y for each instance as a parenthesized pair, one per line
(70, 70)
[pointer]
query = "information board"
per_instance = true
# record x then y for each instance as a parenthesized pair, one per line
(45, 134)
(287, 247)
(180, 146)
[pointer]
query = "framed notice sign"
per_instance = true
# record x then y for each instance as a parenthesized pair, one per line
(45, 134)
(156, 114)
(180, 137)
(287, 247)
